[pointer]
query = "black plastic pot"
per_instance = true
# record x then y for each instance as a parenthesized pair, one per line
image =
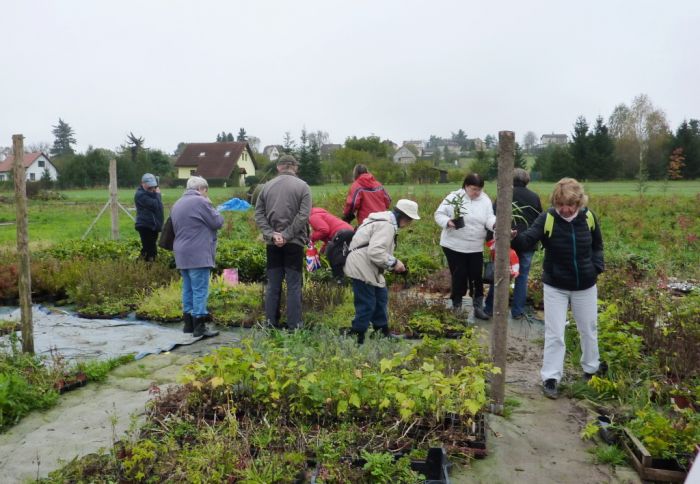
(459, 222)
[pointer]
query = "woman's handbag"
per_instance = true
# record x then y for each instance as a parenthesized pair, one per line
(167, 236)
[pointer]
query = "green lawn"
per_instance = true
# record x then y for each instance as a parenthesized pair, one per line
(51, 221)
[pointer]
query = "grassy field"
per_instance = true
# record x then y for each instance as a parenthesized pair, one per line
(51, 221)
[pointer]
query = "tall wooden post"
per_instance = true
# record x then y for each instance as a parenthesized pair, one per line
(24, 276)
(113, 201)
(499, 335)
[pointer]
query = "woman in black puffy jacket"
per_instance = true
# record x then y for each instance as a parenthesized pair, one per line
(573, 258)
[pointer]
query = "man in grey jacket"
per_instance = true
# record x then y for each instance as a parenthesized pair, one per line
(195, 222)
(282, 213)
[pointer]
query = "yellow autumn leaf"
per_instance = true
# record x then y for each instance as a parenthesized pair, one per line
(217, 381)
(358, 373)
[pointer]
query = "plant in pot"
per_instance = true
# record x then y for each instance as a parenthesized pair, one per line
(458, 210)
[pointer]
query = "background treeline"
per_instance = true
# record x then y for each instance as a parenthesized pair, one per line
(636, 143)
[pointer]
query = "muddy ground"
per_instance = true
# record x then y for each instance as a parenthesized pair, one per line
(538, 443)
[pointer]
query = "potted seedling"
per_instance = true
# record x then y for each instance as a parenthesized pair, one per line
(458, 211)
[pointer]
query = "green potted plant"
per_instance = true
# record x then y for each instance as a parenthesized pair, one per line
(458, 210)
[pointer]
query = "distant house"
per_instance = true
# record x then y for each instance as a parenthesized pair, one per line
(216, 161)
(452, 146)
(272, 152)
(553, 139)
(35, 164)
(404, 156)
(327, 149)
(477, 143)
(418, 144)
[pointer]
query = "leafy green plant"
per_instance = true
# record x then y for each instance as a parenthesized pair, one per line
(384, 469)
(665, 437)
(609, 454)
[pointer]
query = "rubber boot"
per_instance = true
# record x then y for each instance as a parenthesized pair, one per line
(189, 326)
(479, 309)
(385, 332)
(360, 335)
(200, 327)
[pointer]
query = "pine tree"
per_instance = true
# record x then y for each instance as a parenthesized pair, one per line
(520, 161)
(602, 164)
(242, 136)
(64, 139)
(229, 137)
(580, 148)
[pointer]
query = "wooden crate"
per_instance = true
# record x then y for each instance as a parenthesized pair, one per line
(644, 464)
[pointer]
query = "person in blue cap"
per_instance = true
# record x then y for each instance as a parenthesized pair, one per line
(149, 215)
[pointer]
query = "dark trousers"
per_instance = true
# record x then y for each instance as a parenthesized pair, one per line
(466, 274)
(284, 262)
(149, 249)
(371, 306)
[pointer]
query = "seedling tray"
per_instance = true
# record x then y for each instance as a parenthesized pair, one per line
(647, 467)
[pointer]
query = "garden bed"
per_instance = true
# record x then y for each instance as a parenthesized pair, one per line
(648, 467)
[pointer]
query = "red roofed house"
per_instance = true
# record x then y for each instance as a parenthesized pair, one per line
(217, 161)
(34, 163)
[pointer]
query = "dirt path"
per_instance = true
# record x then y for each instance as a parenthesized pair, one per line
(540, 441)
(89, 418)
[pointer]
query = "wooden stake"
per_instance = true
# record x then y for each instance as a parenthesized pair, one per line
(113, 201)
(24, 276)
(499, 335)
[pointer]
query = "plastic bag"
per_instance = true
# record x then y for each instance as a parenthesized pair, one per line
(514, 260)
(313, 261)
(230, 277)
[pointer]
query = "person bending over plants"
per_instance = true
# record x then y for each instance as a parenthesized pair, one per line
(372, 253)
(334, 233)
(573, 258)
(465, 215)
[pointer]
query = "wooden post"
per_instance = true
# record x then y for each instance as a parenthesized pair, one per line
(113, 201)
(24, 276)
(499, 335)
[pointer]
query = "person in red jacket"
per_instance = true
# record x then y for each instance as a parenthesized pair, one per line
(334, 233)
(366, 196)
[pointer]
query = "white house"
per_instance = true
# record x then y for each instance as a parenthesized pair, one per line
(272, 152)
(35, 165)
(553, 139)
(404, 156)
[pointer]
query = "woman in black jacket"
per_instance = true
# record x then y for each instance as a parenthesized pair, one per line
(573, 258)
(149, 215)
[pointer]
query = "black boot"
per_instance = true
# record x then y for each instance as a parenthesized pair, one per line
(479, 309)
(200, 328)
(188, 327)
(360, 335)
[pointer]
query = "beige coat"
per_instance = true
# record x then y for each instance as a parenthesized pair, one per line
(368, 263)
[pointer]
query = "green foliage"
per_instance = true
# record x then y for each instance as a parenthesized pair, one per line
(384, 469)
(248, 258)
(164, 304)
(323, 377)
(610, 455)
(97, 370)
(93, 249)
(239, 305)
(554, 163)
(665, 437)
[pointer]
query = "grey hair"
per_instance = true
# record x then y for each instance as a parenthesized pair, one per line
(196, 182)
(521, 177)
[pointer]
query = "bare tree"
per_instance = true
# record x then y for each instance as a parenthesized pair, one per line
(254, 143)
(319, 137)
(42, 146)
(529, 141)
(134, 144)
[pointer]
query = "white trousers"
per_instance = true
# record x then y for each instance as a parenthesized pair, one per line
(584, 305)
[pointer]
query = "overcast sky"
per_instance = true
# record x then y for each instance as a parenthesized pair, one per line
(173, 70)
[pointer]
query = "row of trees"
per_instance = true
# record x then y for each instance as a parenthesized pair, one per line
(636, 143)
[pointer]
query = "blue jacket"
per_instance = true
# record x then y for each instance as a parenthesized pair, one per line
(195, 222)
(149, 210)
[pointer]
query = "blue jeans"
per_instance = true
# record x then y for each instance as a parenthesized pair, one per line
(520, 290)
(370, 306)
(195, 290)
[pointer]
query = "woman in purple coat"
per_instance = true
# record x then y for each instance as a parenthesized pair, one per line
(195, 222)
